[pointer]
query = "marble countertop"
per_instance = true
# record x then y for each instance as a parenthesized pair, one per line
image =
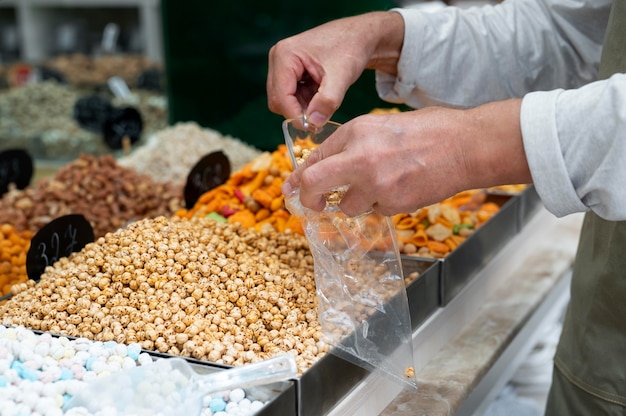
(450, 376)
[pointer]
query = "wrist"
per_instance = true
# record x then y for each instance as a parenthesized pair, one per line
(389, 31)
(496, 146)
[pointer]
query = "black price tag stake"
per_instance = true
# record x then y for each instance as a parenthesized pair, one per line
(59, 238)
(92, 112)
(210, 171)
(16, 167)
(122, 124)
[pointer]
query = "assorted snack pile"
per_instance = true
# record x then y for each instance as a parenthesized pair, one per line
(190, 287)
(436, 230)
(251, 196)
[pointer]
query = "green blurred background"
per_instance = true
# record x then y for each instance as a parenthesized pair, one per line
(216, 61)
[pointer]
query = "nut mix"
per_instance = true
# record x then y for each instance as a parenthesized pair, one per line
(108, 195)
(197, 288)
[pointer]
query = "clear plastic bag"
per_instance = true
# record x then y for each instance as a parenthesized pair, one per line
(362, 300)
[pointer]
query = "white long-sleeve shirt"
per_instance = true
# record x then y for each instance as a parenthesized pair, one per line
(548, 52)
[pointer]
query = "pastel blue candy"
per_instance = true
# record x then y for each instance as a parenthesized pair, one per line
(66, 374)
(66, 398)
(17, 365)
(217, 405)
(89, 363)
(3, 381)
(109, 344)
(133, 351)
(28, 374)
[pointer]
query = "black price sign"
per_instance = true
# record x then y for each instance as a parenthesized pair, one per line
(210, 171)
(122, 123)
(59, 238)
(51, 74)
(92, 112)
(16, 166)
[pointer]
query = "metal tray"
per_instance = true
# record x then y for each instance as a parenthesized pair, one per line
(463, 263)
(423, 293)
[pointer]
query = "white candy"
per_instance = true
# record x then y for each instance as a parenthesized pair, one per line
(44, 404)
(114, 366)
(144, 359)
(69, 352)
(5, 364)
(42, 349)
(99, 366)
(244, 404)
(95, 349)
(49, 390)
(121, 350)
(236, 395)
(56, 351)
(89, 376)
(82, 344)
(10, 334)
(256, 405)
(53, 411)
(82, 356)
(128, 363)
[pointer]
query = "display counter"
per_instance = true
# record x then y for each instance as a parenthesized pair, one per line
(466, 352)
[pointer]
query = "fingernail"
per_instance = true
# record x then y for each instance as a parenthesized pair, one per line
(317, 119)
(287, 189)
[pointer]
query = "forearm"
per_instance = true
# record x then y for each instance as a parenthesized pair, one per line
(494, 147)
(389, 29)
